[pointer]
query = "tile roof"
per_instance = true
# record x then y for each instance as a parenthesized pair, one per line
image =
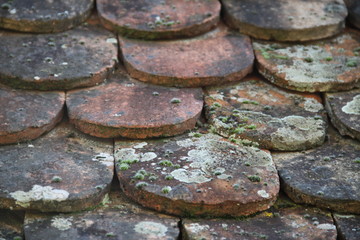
(199, 109)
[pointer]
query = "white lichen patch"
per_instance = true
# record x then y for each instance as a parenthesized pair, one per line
(326, 226)
(190, 176)
(111, 40)
(61, 223)
(151, 229)
(104, 158)
(197, 228)
(311, 105)
(263, 193)
(352, 107)
(130, 154)
(39, 193)
(140, 145)
(296, 131)
(209, 157)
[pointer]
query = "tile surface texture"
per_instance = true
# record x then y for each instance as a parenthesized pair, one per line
(159, 19)
(44, 16)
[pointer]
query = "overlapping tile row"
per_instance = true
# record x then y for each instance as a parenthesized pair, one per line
(196, 174)
(115, 218)
(282, 223)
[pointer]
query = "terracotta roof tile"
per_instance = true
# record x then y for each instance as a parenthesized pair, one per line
(164, 19)
(44, 16)
(286, 20)
(138, 82)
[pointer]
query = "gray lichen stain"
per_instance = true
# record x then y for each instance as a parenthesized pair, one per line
(297, 131)
(352, 107)
(104, 158)
(309, 64)
(39, 193)
(131, 154)
(150, 229)
(207, 159)
(61, 223)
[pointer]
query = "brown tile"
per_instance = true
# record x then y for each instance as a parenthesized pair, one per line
(11, 225)
(344, 112)
(25, 115)
(63, 171)
(327, 65)
(44, 16)
(164, 19)
(354, 12)
(197, 175)
(80, 57)
(214, 58)
(348, 226)
(326, 177)
(286, 20)
(290, 223)
(115, 219)
(132, 109)
(255, 112)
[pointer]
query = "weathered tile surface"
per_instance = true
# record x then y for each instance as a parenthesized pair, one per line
(11, 225)
(62, 171)
(77, 58)
(25, 115)
(131, 109)
(348, 226)
(327, 65)
(286, 20)
(344, 111)
(354, 12)
(116, 220)
(43, 16)
(291, 223)
(256, 112)
(197, 175)
(159, 19)
(327, 176)
(214, 58)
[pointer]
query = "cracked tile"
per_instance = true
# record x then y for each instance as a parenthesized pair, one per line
(114, 219)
